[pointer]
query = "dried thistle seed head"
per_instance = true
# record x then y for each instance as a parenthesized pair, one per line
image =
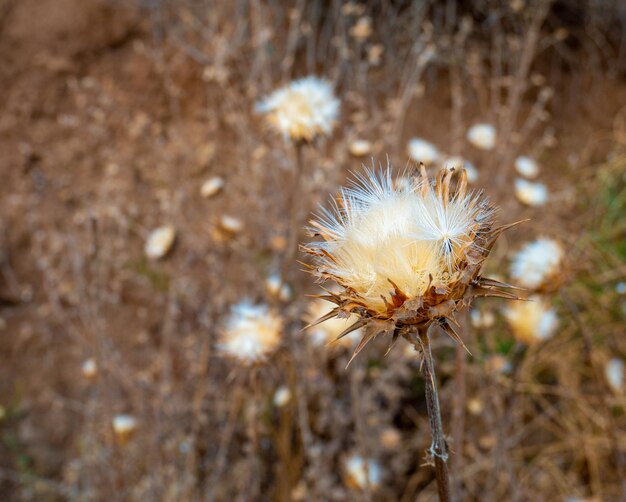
(614, 372)
(421, 150)
(405, 254)
(302, 110)
(360, 473)
(482, 136)
(124, 427)
(538, 264)
(531, 194)
(531, 321)
(251, 333)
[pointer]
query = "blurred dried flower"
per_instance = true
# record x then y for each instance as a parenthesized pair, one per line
(421, 150)
(277, 288)
(531, 321)
(282, 396)
(90, 369)
(529, 193)
(475, 406)
(404, 256)
(390, 438)
(375, 54)
(251, 333)
(124, 426)
(303, 109)
(482, 136)
(360, 473)
(231, 224)
(538, 264)
(360, 147)
(526, 167)
(362, 29)
(614, 371)
(482, 319)
(211, 186)
(160, 241)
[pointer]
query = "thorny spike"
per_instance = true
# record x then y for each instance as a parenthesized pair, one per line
(326, 317)
(446, 186)
(447, 327)
(478, 291)
(394, 339)
(492, 283)
(364, 341)
(360, 323)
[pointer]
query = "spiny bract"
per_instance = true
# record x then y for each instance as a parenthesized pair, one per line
(303, 109)
(405, 254)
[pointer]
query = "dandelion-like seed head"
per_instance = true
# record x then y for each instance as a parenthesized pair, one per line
(538, 264)
(404, 254)
(303, 109)
(251, 334)
(531, 321)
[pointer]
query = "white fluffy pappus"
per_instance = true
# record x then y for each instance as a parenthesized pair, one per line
(412, 234)
(303, 109)
(531, 321)
(361, 473)
(537, 262)
(531, 194)
(251, 333)
(482, 136)
(421, 150)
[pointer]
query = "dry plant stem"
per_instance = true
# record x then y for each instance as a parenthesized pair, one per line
(438, 448)
(458, 410)
(294, 220)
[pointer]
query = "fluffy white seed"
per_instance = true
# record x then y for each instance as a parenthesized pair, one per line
(531, 321)
(614, 371)
(360, 147)
(482, 136)
(160, 241)
(538, 261)
(527, 167)
(303, 109)
(421, 150)
(251, 333)
(211, 186)
(529, 193)
(361, 473)
(282, 396)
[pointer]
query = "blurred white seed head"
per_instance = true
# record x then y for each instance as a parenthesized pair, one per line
(303, 109)
(282, 396)
(251, 333)
(231, 224)
(529, 193)
(159, 242)
(124, 426)
(537, 263)
(211, 186)
(90, 369)
(527, 167)
(361, 473)
(614, 371)
(421, 150)
(482, 136)
(531, 321)
(482, 319)
(360, 147)
(277, 288)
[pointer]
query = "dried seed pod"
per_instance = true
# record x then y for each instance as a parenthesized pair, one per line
(302, 110)
(405, 255)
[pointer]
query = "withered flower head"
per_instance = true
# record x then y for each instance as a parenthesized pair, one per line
(405, 255)
(251, 334)
(538, 265)
(303, 109)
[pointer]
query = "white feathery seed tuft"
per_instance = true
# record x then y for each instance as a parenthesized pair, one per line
(407, 233)
(531, 321)
(531, 194)
(303, 109)
(251, 334)
(537, 262)
(361, 473)
(421, 150)
(482, 136)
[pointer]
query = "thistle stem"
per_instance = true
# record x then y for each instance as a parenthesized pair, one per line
(438, 449)
(293, 208)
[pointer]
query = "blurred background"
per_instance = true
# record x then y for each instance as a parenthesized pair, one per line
(122, 118)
